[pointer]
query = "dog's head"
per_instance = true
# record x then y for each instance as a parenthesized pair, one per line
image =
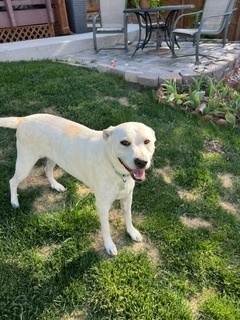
(130, 148)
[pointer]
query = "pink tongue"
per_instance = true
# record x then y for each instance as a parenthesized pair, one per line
(139, 174)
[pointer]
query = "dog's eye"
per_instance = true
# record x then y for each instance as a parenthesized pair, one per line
(125, 143)
(146, 141)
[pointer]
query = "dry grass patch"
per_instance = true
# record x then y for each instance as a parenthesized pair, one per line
(46, 251)
(97, 242)
(213, 146)
(149, 249)
(118, 233)
(76, 315)
(195, 302)
(226, 180)
(195, 223)
(37, 177)
(189, 196)
(230, 207)
(50, 200)
(83, 190)
(123, 101)
(166, 173)
(118, 228)
(51, 110)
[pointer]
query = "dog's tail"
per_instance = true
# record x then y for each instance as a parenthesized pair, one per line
(10, 122)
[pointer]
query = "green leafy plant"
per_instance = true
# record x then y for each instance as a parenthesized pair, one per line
(137, 4)
(154, 3)
(215, 100)
(171, 93)
(195, 99)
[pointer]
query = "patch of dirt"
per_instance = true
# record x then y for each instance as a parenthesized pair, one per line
(149, 249)
(83, 190)
(50, 200)
(186, 195)
(118, 233)
(231, 208)
(213, 146)
(195, 223)
(233, 79)
(165, 172)
(76, 315)
(46, 251)
(37, 177)
(196, 301)
(124, 102)
(226, 180)
(52, 111)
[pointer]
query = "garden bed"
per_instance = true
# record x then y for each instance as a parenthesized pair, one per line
(218, 101)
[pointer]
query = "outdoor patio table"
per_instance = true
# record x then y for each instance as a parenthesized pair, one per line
(144, 18)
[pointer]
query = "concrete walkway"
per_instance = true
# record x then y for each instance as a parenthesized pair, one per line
(147, 67)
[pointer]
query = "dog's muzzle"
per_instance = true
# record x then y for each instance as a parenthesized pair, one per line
(139, 173)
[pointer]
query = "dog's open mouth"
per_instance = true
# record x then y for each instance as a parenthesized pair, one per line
(136, 174)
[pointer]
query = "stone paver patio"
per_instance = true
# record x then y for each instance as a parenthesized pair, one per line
(151, 69)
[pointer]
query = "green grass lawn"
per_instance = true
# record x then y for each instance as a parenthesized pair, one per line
(52, 261)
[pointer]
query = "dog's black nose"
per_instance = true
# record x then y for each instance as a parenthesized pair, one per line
(140, 163)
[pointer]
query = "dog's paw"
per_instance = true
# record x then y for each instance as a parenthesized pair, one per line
(135, 234)
(57, 186)
(111, 248)
(15, 204)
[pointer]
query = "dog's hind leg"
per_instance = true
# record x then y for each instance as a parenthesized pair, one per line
(24, 164)
(49, 173)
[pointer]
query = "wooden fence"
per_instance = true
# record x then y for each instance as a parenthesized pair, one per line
(28, 19)
(234, 28)
(32, 19)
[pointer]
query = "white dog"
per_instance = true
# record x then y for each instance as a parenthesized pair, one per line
(109, 161)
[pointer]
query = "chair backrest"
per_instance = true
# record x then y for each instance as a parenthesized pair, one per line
(111, 13)
(213, 7)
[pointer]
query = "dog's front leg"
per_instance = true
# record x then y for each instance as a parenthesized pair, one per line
(103, 210)
(126, 205)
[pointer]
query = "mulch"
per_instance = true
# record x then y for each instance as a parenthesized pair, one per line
(233, 80)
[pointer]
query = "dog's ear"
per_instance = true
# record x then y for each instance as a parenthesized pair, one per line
(107, 132)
